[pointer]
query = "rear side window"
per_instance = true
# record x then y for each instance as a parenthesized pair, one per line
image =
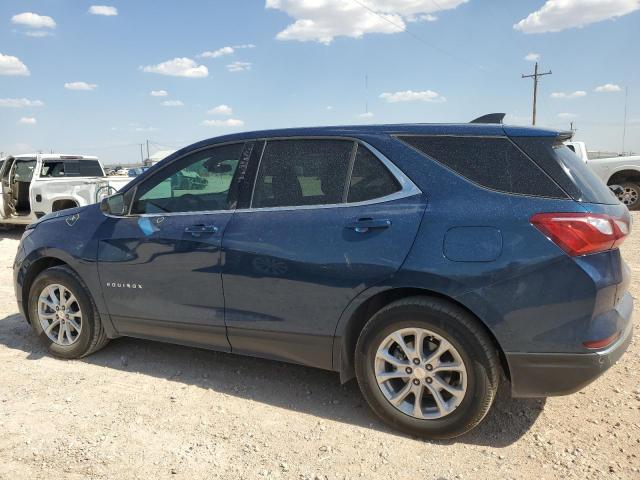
(370, 179)
(71, 168)
(302, 172)
(493, 163)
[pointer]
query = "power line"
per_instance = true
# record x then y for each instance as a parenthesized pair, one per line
(402, 28)
(535, 77)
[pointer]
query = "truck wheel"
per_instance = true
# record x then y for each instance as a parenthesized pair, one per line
(630, 195)
(427, 368)
(64, 315)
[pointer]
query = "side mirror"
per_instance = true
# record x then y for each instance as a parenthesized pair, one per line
(113, 205)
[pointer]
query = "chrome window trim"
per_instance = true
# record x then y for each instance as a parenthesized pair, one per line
(407, 187)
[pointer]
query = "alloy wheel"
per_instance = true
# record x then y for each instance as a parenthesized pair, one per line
(59, 314)
(629, 195)
(420, 373)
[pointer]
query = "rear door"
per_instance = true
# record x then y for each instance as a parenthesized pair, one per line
(328, 218)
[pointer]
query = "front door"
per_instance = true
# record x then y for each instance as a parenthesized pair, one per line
(160, 265)
(5, 176)
(324, 224)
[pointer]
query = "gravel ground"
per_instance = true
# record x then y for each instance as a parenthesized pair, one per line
(140, 409)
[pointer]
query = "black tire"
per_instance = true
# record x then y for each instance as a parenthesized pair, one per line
(462, 331)
(92, 336)
(631, 195)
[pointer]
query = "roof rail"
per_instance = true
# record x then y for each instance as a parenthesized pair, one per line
(489, 118)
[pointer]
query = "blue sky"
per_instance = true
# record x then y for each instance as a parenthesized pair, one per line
(73, 77)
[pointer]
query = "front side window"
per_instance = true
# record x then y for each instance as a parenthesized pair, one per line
(198, 182)
(302, 172)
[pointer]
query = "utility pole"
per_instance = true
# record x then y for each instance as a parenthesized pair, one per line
(141, 153)
(535, 77)
(147, 148)
(624, 123)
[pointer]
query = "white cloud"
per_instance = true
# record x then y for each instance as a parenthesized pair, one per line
(20, 103)
(80, 86)
(37, 33)
(576, 94)
(221, 110)
(27, 121)
(607, 88)
(10, 65)
(244, 45)
(178, 67)
(144, 129)
(329, 107)
(323, 20)
(172, 103)
(557, 15)
(231, 122)
(158, 93)
(532, 57)
(567, 116)
(239, 66)
(221, 52)
(366, 115)
(33, 20)
(411, 96)
(104, 10)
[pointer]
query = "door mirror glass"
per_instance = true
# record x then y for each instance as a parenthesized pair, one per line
(114, 205)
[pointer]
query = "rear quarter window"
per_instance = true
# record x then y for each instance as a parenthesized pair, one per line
(491, 162)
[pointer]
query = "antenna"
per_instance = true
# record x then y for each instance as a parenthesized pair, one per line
(535, 77)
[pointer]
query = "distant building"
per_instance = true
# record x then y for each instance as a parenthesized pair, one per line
(157, 156)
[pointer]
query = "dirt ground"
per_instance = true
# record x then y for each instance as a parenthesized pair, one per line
(139, 409)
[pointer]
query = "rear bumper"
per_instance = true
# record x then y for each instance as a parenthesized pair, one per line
(551, 374)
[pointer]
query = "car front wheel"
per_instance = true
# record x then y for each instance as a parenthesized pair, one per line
(427, 368)
(63, 314)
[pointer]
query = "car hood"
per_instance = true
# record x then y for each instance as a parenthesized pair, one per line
(68, 212)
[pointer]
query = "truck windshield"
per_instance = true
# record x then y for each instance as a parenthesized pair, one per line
(71, 168)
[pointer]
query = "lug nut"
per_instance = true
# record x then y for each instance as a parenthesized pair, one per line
(429, 380)
(429, 367)
(416, 381)
(408, 370)
(416, 361)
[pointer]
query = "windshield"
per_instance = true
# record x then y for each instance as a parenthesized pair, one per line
(71, 168)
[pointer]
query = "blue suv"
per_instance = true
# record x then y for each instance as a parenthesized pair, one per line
(428, 261)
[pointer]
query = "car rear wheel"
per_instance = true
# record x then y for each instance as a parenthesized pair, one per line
(63, 314)
(630, 195)
(427, 368)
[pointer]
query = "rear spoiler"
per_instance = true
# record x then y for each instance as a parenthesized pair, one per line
(489, 118)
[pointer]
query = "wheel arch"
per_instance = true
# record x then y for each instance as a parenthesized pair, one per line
(32, 271)
(68, 202)
(345, 339)
(624, 174)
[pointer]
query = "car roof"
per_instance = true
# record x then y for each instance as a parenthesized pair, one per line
(472, 129)
(54, 156)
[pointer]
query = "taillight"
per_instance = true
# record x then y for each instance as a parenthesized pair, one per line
(582, 233)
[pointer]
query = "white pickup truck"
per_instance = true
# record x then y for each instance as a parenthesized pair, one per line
(622, 171)
(36, 184)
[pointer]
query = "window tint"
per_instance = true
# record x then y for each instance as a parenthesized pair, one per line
(491, 162)
(198, 182)
(71, 168)
(302, 172)
(370, 178)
